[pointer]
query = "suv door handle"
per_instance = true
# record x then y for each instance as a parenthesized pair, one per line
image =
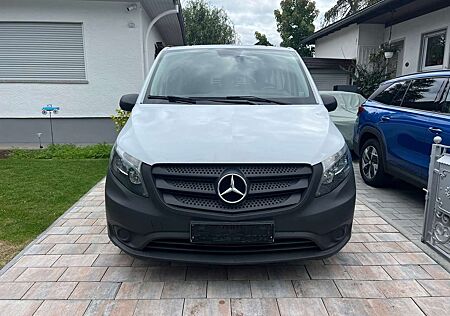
(385, 118)
(435, 130)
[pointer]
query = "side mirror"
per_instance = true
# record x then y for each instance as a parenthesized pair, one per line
(330, 102)
(128, 101)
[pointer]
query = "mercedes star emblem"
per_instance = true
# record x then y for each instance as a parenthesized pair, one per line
(232, 188)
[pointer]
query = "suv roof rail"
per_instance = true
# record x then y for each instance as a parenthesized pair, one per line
(421, 74)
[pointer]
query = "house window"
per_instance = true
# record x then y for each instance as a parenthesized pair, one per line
(433, 50)
(41, 52)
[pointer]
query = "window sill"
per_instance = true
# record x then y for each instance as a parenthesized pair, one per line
(54, 81)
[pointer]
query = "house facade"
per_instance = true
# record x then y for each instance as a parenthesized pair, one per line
(79, 55)
(417, 29)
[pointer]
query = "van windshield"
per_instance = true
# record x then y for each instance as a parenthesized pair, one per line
(221, 73)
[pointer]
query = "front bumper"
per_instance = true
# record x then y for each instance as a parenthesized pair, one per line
(148, 228)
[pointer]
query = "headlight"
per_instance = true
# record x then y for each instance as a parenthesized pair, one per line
(335, 169)
(127, 170)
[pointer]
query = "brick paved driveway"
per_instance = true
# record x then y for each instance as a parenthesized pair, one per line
(73, 269)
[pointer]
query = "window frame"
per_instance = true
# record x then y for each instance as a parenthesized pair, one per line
(423, 50)
(84, 80)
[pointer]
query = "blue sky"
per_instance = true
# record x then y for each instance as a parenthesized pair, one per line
(257, 15)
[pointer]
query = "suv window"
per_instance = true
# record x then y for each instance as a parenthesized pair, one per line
(393, 94)
(422, 94)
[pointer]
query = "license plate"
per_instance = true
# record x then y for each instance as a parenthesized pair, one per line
(232, 233)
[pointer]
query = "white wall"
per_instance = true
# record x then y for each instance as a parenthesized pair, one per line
(342, 44)
(114, 58)
(411, 31)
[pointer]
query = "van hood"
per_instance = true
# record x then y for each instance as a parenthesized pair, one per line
(180, 133)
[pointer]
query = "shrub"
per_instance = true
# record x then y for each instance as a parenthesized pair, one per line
(99, 151)
(120, 119)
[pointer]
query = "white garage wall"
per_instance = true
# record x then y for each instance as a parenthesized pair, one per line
(342, 44)
(114, 58)
(411, 31)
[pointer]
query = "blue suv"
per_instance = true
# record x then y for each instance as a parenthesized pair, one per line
(396, 126)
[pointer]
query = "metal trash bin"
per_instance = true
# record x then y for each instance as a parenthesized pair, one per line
(436, 228)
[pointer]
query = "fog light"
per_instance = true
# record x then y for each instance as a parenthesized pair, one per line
(122, 234)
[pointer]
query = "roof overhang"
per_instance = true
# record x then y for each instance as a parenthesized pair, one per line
(171, 27)
(387, 12)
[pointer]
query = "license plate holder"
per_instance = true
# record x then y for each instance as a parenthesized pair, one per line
(232, 233)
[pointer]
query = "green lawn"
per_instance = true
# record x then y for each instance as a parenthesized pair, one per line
(35, 192)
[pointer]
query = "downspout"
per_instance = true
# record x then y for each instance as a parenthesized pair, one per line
(147, 34)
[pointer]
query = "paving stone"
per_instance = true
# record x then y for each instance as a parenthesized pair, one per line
(111, 307)
(13, 290)
(75, 261)
(372, 307)
(400, 288)
(207, 307)
(287, 272)
(247, 273)
(50, 291)
(205, 273)
(357, 228)
(16, 307)
(36, 261)
(354, 247)
(254, 307)
(39, 249)
(95, 290)
(343, 259)
(388, 246)
(303, 306)
(407, 272)
(11, 274)
(371, 220)
(184, 289)
(328, 272)
(376, 259)
(40, 274)
(367, 273)
(409, 246)
(436, 271)
(388, 237)
(79, 222)
(83, 274)
(113, 260)
(102, 249)
(159, 307)
(436, 287)
(413, 258)
(140, 290)
(273, 288)
(434, 306)
(358, 289)
(59, 307)
(93, 239)
(68, 249)
(229, 289)
(86, 230)
(60, 239)
(361, 237)
(166, 273)
(316, 288)
(125, 274)
(387, 228)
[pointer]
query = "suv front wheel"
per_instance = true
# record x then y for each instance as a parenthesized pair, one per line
(371, 164)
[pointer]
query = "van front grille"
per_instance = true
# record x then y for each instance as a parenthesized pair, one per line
(194, 187)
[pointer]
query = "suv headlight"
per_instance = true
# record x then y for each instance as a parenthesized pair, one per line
(127, 170)
(335, 169)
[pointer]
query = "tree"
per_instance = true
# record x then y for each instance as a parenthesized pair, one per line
(205, 24)
(295, 21)
(262, 39)
(344, 8)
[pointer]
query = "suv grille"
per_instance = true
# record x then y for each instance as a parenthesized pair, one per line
(194, 187)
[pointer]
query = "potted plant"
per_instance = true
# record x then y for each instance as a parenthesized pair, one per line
(388, 49)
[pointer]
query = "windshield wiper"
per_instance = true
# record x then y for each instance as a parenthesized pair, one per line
(173, 99)
(253, 99)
